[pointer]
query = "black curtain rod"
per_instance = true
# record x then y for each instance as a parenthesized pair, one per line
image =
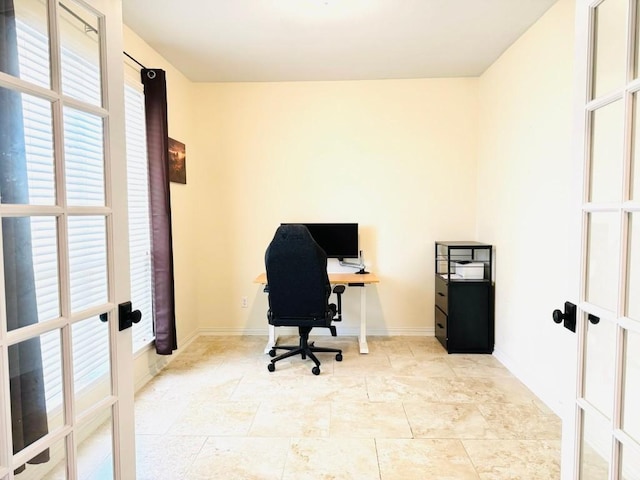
(134, 60)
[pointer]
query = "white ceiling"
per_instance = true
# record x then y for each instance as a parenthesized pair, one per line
(291, 40)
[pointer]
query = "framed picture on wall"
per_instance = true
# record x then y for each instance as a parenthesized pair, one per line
(177, 162)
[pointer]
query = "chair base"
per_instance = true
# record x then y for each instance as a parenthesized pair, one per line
(304, 349)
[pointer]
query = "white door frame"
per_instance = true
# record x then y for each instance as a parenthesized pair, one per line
(120, 402)
(577, 406)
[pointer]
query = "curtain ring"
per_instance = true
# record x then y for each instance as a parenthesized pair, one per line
(151, 74)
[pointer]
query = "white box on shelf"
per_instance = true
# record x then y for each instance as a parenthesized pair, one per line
(470, 270)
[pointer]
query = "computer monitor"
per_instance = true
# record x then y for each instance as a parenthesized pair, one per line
(338, 240)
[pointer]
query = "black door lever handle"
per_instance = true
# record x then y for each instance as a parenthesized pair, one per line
(568, 317)
(127, 316)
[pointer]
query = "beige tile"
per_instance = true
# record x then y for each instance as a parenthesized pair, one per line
(390, 345)
(515, 459)
(466, 365)
(155, 417)
(267, 387)
(483, 390)
(332, 459)
(292, 419)
(521, 421)
(369, 420)
(335, 388)
(447, 420)
(243, 458)
(433, 367)
(392, 388)
(215, 418)
(363, 364)
(426, 346)
(165, 457)
(424, 459)
(215, 389)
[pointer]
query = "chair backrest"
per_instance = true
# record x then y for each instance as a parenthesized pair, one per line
(297, 276)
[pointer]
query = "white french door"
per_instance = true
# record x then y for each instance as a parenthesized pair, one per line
(603, 437)
(66, 401)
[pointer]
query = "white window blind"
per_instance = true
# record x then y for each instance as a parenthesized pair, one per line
(139, 221)
(85, 185)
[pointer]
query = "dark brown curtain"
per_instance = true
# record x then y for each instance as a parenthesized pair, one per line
(155, 100)
(28, 406)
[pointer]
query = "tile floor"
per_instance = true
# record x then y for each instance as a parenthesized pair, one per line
(407, 410)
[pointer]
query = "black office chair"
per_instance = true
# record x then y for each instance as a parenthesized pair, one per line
(299, 290)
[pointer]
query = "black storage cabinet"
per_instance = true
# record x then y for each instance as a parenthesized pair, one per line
(464, 297)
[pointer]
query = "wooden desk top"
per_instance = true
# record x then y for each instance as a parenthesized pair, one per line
(336, 278)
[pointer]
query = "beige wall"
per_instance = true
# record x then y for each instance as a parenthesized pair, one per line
(525, 178)
(396, 156)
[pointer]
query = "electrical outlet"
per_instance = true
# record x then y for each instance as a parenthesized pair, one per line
(244, 303)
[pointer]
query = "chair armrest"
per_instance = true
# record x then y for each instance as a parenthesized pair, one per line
(339, 290)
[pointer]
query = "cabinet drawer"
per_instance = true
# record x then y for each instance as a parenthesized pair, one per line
(442, 295)
(441, 326)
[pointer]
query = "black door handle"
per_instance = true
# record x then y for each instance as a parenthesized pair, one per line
(568, 317)
(127, 316)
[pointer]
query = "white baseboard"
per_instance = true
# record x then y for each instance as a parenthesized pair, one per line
(372, 332)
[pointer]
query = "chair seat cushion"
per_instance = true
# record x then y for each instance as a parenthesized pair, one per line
(302, 321)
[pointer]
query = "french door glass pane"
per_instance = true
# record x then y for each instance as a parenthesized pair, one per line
(31, 270)
(602, 268)
(629, 463)
(38, 139)
(28, 123)
(92, 366)
(80, 41)
(52, 367)
(87, 261)
(29, 149)
(635, 158)
(95, 450)
(606, 153)
(54, 469)
(610, 47)
(630, 417)
(31, 414)
(84, 157)
(633, 283)
(31, 22)
(595, 445)
(45, 266)
(600, 350)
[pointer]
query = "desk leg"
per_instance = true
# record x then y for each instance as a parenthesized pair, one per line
(362, 340)
(272, 339)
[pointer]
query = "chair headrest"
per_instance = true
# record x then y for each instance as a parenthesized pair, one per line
(292, 233)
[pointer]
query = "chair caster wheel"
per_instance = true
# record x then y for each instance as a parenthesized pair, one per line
(272, 353)
(315, 370)
(339, 357)
(271, 367)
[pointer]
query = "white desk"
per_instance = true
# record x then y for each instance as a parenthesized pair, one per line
(348, 279)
